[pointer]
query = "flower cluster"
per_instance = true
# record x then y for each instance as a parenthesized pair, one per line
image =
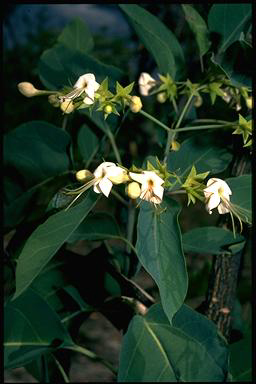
(145, 184)
(86, 93)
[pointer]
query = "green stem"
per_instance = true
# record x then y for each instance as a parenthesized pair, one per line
(185, 109)
(174, 105)
(64, 122)
(130, 225)
(113, 143)
(63, 373)
(92, 356)
(211, 121)
(198, 127)
(119, 197)
(178, 192)
(155, 120)
(170, 137)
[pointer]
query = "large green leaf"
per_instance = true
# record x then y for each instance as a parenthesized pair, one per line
(198, 27)
(88, 143)
(31, 328)
(99, 226)
(76, 35)
(190, 350)
(61, 66)
(157, 38)
(160, 252)
(212, 240)
(47, 239)
(241, 359)
(229, 20)
(241, 187)
(37, 197)
(205, 151)
(38, 150)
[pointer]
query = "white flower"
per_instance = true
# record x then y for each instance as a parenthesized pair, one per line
(146, 82)
(106, 175)
(85, 83)
(151, 186)
(217, 195)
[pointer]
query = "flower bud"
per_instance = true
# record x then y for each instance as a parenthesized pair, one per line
(54, 100)
(133, 190)
(135, 104)
(28, 89)
(249, 102)
(175, 145)
(198, 101)
(161, 97)
(120, 178)
(108, 109)
(83, 175)
(67, 106)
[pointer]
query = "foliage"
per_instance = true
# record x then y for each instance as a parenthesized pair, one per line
(110, 162)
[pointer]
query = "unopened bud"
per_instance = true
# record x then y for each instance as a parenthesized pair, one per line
(135, 104)
(108, 109)
(198, 101)
(249, 102)
(67, 106)
(120, 178)
(175, 145)
(133, 190)
(161, 97)
(238, 107)
(83, 175)
(28, 89)
(54, 100)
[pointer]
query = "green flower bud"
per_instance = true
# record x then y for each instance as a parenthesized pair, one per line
(108, 109)
(83, 175)
(67, 106)
(54, 100)
(161, 97)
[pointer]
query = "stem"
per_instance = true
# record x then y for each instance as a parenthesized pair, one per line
(155, 120)
(64, 122)
(185, 109)
(91, 355)
(211, 121)
(178, 192)
(174, 105)
(113, 143)
(198, 127)
(130, 225)
(170, 137)
(119, 197)
(63, 373)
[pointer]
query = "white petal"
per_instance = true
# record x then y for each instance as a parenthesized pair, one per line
(140, 177)
(96, 188)
(146, 82)
(154, 177)
(155, 200)
(158, 191)
(84, 80)
(222, 209)
(105, 185)
(102, 168)
(213, 201)
(96, 86)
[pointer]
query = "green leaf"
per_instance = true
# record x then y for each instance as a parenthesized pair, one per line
(206, 151)
(190, 350)
(38, 150)
(61, 66)
(241, 359)
(31, 328)
(157, 38)
(76, 35)
(37, 197)
(212, 240)
(88, 144)
(99, 226)
(198, 27)
(47, 239)
(229, 20)
(160, 252)
(241, 187)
